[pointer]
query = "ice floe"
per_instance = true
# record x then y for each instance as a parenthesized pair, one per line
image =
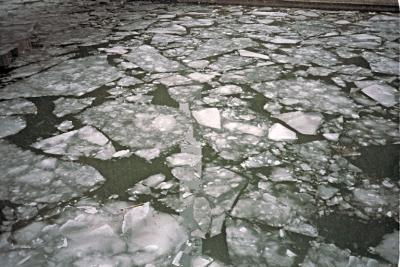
(65, 106)
(305, 123)
(148, 58)
(209, 117)
(87, 142)
(138, 126)
(58, 180)
(278, 132)
(17, 107)
(73, 77)
(10, 125)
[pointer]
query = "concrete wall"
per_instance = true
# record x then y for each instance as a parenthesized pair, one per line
(364, 5)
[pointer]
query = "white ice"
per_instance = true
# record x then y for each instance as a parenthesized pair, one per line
(305, 123)
(209, 117)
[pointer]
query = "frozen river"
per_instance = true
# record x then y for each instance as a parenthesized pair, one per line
(148, 134)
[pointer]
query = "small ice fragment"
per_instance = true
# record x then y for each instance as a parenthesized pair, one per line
(202, 77)
(65, 126)
(122, 154)
(281, 40)
(177, 259)
(148, 154)
(245, 53)
(227, 90)
(209, 117)
(331, 136)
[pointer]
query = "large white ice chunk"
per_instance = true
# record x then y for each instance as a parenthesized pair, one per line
(278, 132)
(384, 94)
(209, 117)
(151, 234)
(305, 123)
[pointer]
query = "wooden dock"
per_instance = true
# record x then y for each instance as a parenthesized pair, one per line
(362, 5)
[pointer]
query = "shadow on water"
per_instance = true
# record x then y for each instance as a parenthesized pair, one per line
(122, 174)
(379, 161)
(217, 247)
(357, 235)
(40, 125)
(161, 97)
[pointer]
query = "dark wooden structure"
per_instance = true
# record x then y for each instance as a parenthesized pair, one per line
(362, 5)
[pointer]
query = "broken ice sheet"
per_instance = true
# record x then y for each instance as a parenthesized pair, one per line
(72, 77)
(252, 75)
(58, 180)
(242, 134)
(114, 234)
(10, 125)
(151, 234)
(145, 186)
(222, 187)
(372, 130)
(319, 96)
(185, 94)
(128, 81)
(381, 64)
(168, 28)
(65, 106)
(17, 107)
(149, 59)
(215, 47)
(375, 200)
(175, 80)
(138, 126)
(248, 245)
(87, 142)
(305, 123)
